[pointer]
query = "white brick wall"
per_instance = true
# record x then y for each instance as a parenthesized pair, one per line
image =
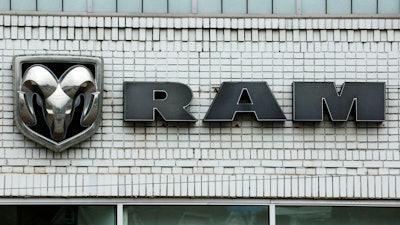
(243, 158)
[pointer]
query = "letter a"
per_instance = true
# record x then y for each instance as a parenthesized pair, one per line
(244, 97)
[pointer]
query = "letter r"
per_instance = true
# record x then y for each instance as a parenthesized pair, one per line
(143, 99)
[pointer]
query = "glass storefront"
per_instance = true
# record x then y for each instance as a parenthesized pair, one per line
(57, 215)
(325, 215)
(196, 215)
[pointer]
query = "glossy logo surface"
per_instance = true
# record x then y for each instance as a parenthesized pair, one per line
(58, 99)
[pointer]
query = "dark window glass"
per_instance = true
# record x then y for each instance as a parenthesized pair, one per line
(57, 215)
(319, 215)
(196, 215)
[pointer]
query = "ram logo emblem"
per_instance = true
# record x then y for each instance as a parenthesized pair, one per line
(58, 99)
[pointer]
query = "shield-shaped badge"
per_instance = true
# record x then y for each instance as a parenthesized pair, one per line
(58, 99)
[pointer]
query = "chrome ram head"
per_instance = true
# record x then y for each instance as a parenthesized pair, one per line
(58, 98)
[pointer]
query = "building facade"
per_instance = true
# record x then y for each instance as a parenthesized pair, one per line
(234, 172)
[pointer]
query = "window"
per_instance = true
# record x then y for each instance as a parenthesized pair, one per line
(284, 7)
(134, 6)
(364, 7)
(196, 215)
(234, 6)
(204, 7)
(259, 6)
(180, 6)
(388, 6)
(155, 6)
(206, 213)
(75, 6)
(58, 215)
(326, 215)
(313, 7)
(104, 6)
(5, 5)
(23, 5)
(49, 5)
(209, 6)
(338, 6)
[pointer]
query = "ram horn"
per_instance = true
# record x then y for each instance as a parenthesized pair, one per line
(80, 81)
(36, 80)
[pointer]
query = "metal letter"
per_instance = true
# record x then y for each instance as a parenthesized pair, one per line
(227, 102)
(143, 99)
(310, 97)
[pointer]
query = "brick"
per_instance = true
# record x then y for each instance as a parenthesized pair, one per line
(238, 159)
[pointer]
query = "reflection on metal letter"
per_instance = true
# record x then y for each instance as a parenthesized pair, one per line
(262, 102)
(367, 98)
(169, 99)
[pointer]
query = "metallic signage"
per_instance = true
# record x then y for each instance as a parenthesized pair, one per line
(58, 99)
(244, 97)
(367, 99)
(143, 99)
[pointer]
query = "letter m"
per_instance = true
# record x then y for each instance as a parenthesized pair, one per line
(367, 98)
